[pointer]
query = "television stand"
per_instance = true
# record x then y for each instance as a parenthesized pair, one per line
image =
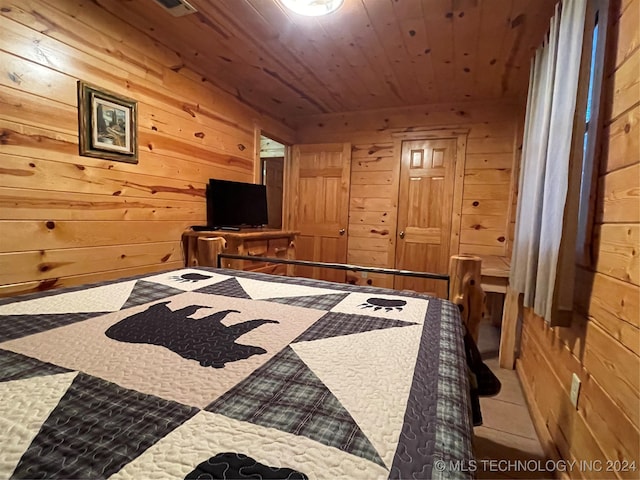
(257, 242)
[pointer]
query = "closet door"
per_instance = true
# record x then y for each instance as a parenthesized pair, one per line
(425, 202)
(319, 207)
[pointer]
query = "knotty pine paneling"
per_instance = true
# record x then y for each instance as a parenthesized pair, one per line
(602, 346)
(68, 219)
(23, 236)
(616, 305)
(370, 54)
(487, 185)
(617, 251)
(20, 267)
(621, 141)
(373, 211)
(620, 195)
(586, 434)
(71, 280)
(28, 204)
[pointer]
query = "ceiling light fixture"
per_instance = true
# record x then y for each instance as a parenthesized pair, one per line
(312, 8)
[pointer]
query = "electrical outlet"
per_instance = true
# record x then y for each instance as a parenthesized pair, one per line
(575, 390)
(365, 274)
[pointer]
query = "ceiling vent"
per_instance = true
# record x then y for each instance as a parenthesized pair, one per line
(177, 8)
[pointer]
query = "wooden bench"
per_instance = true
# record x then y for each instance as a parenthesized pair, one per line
(495, 280)
(495, 273)
(503, 304)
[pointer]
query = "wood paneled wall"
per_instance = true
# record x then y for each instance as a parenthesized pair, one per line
(66, 219)
(373, 205)
(603, 344)
(488, 183)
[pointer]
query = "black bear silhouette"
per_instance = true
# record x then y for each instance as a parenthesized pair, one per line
(234, 466)
(206, 339)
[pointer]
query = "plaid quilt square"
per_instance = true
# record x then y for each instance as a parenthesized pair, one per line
(286, 395)
(319, 302)
(145, 292)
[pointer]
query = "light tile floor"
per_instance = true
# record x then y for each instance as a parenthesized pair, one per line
(507, 433)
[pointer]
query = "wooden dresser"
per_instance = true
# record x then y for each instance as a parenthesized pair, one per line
(256, 242)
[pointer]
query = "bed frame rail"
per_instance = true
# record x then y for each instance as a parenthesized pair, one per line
(464, 270)
(336, 266)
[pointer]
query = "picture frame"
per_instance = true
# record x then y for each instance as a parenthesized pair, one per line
(107, 124)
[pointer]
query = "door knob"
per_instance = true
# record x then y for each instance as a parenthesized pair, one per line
(341, 231)
(402, 234)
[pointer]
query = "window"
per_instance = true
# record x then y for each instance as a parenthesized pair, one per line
(595, 30)
(555, 211)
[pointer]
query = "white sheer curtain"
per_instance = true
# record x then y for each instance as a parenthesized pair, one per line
(551, 106)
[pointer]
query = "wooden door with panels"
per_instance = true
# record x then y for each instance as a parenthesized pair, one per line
(320, 178)
(425, 207)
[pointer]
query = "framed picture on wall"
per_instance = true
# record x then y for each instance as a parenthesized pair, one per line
(107, 124)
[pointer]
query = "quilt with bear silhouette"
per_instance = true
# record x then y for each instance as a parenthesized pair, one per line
(212, 373)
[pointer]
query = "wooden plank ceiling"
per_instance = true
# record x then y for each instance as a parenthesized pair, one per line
(369, 54)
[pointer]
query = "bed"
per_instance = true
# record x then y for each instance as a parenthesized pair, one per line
(214, 373)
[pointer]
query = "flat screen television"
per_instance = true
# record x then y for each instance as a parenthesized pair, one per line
(235, 204)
